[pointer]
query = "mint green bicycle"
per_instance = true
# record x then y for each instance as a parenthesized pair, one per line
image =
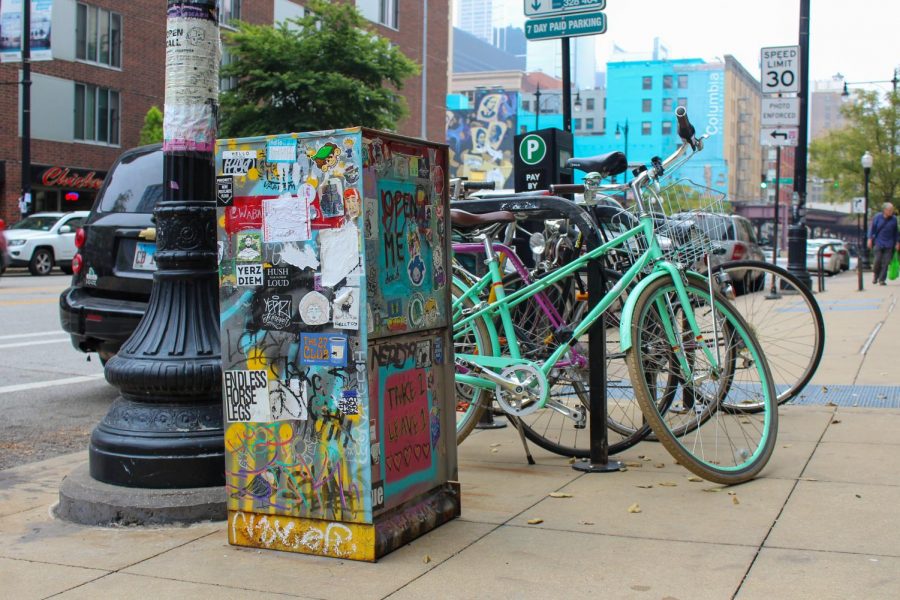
(691, 357)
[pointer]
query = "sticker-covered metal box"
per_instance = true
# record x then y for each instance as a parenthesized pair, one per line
(337, 358)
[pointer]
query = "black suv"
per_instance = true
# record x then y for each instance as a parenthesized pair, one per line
(115, 261)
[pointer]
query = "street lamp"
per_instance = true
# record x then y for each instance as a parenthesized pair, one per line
(619, 132)
(537, 107)
(866, 162)
(893, 81)
(578, 100)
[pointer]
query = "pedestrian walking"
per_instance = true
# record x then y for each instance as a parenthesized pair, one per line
(883, 239)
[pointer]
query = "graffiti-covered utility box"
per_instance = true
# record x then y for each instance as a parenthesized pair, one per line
(334, 299)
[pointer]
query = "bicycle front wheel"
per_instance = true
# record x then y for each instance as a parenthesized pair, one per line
(785, 318)
(720, 445)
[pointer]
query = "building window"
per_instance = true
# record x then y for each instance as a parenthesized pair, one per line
(96, 114)
(667, 105)
(646, 128)
(98, 35)
(577, 123)
(589, 123)
(229, 10)
(604, 123)
(604, 102)
(647, 105)
(682, 102)
(526, 104)
(667, 82)
(227, 84)
(682, 82)
(667, 127)
(379, 11)
(589, 104)
(647, 83)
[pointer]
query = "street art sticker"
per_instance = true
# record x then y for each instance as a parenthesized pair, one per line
(249, 275)
(329, 349)
(246, 396)
(285, 219)
(345, 308)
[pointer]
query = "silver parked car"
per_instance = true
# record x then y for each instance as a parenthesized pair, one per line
(832, 257)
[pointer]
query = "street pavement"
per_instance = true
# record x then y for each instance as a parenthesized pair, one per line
(820, 522)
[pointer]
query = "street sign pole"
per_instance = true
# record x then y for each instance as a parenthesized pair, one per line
(567, 85)
(797, 235)
(773, 293)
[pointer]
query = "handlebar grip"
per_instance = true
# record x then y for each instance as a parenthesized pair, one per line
(686, 131)
(566, 188)
(479, 185)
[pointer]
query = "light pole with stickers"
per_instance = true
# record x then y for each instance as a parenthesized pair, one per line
(165, 429)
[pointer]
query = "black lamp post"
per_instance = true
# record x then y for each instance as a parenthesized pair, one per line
(165, 430)
(537, 107)
(866, 162)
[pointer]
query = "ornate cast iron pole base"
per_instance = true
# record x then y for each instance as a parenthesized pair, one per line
(165, 431)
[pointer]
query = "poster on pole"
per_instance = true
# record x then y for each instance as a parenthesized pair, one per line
(10, 30)
(41, 18)
(11, 26)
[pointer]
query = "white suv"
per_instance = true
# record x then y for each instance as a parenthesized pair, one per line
(43, 240)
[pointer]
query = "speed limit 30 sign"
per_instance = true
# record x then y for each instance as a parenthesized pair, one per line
(780, 69)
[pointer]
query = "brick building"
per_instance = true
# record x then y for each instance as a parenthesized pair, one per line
(88, 103)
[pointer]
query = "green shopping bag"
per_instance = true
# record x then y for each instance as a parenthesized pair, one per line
(894, 267)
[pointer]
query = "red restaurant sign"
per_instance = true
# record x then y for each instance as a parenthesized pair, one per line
(64, 177)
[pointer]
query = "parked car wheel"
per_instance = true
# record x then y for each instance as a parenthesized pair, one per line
(41, 262)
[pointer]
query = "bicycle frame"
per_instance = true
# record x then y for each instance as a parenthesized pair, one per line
(503, 303)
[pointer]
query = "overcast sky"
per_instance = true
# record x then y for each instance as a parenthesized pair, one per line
(858, 38)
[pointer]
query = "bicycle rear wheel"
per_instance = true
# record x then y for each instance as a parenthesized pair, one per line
(785, 318)
(471, 338)
(722, 446)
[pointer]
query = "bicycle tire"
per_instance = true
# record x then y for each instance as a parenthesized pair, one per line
(470, 401)
(712, 443)
(790, 327)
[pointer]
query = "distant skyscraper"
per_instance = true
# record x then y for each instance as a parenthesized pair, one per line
(475, 17)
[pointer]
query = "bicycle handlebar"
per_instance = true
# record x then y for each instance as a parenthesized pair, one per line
(479, 185)
(686, 131)
(566, 188)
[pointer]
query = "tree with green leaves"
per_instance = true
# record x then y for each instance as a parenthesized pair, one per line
(325, 70)
(152, 131)
(873, 125)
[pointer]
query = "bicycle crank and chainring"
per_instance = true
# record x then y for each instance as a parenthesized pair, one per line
(529, 388)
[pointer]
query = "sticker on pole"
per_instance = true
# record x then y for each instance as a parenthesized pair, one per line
(532, 149)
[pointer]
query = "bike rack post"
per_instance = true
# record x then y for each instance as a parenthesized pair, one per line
(820, 262)
(599, 461)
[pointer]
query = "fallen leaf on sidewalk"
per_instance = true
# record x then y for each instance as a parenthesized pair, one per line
(857, 495)
(587, 522)
(808, 479)
(635, 465)
(694, 479)
(496, 445)
(787, 445)
(426, 559)
(495, 450)
(659, 465)
(668, 484)
(560, 495)
(634, 508)
(646, 487)
(572, 460)
(835, 422)
(712, 489)
(534, 521)
(734, 500)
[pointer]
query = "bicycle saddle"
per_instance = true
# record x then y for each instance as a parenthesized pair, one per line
(461, 218)
(608, 165)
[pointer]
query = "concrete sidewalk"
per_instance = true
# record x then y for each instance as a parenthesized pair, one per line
(822, 520)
